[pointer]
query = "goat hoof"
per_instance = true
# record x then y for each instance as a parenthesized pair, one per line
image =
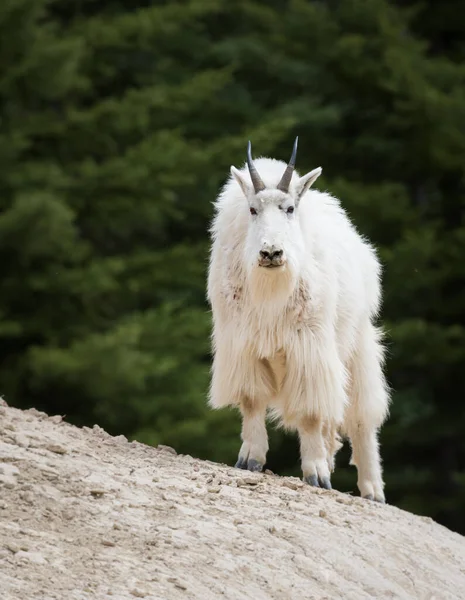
(375, 498)
(325, 483)
(249, 464)
(312, 480)
(241, 463)
(254, 465)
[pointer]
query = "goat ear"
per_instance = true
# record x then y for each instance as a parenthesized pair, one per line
(241, 181)
(306, 181)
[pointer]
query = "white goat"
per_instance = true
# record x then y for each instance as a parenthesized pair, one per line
(294, 290)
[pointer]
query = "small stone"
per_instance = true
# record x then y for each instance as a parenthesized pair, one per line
(427, 519)
(49, 473)
(343, 500)
(22, 441)
(167, 449)
(56, 419)
(97, 492)
(100, 431)
(137, 443)
(117, 526)
(139, 593)
(214, 490)
(28, 497)
(9, 470)
(108, 543)
(247, 481)
(56, 448)
(268, 472)
(37, 413)
(323, 514)
(3, 505)
(33, 557)
(12, 547)
(180, 586)
(292, 485)
(8, 483)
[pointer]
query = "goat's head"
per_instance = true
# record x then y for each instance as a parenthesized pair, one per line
(274, 243)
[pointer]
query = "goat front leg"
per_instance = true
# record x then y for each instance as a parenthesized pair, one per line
(252, 455)
(313, 453)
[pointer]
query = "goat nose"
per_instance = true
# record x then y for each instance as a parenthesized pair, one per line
(273, 255)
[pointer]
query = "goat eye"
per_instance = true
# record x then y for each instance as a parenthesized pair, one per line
(253, 211)
(290, 210)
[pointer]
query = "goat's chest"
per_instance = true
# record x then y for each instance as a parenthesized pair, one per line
(271, 335)
(301, 310)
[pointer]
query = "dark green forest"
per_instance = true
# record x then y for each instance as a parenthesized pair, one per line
(119, 120)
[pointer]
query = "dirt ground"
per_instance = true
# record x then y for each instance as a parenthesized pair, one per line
(84, 515)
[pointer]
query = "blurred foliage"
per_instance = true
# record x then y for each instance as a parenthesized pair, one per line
(119, 121)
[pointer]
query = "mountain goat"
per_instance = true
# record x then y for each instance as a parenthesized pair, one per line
(294, 291)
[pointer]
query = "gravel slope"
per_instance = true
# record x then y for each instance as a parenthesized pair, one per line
(84, 515)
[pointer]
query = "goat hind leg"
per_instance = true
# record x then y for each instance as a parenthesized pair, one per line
(366, 457)
(369, 401)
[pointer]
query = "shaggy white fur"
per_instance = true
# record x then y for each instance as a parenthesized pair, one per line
(294, 291)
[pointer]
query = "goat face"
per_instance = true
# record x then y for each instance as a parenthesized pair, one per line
(274, 248)
(274, 239)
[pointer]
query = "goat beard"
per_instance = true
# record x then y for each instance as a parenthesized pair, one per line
(271, 288)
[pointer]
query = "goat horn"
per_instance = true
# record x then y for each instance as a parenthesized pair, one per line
(257, 182)
(283, 185)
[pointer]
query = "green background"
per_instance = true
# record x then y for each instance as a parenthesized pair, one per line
(118, 123)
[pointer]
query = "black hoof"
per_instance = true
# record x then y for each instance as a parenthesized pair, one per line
(312, 480)
(241, 463)
(326, 483)
(254, 465)
(249, 465)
